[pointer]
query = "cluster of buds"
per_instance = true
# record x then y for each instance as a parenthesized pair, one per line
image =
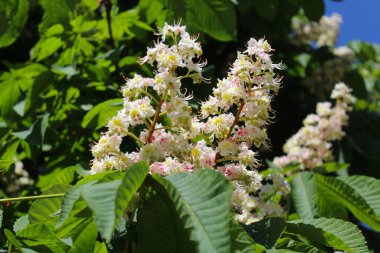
(311, 145)
(332, 71)
(323, 33)
(175, 139)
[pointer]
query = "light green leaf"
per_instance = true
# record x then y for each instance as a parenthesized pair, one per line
(98, 116)
(21, 223)
(13, 16)
(36, 231)
(100, 247)
(109, 200)
(46, 47)
(334, 233)
(360, 194)
(43, 210)
(11, 84)
(56, 12)
(202, 200)
(59, 176)
(4, 165)
(304, 191)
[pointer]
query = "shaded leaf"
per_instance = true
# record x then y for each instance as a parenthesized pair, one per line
(266, 232)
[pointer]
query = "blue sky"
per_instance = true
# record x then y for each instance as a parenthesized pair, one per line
(361, 19)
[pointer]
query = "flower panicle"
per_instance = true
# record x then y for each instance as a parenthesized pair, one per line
(223, 135)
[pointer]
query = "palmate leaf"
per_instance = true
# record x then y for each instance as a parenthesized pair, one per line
(334, 233)
(360, 194)
(108, 200)
(202, 201)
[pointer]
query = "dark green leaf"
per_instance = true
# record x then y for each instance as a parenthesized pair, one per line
(266, 232)
(205, 211)
(314, 9)
(13, 16)
(214, 17)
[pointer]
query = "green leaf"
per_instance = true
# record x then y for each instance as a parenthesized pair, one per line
(160, 226)
(8, 155)
(11, 84)
(4, 164)
(304, 195)
(12, 238)
(98, 116)
(36, 231)
(296, 246)
(43, 210)
(334, 233)
(241, 242)
(202, 200)
(21, 223)
(267, 9)
(109, 200)
(13, 16)
(69, 200)
(314, 9)
(214, 17)
(59, 176)
(266, 232)
(46, 47)
(55, 12)
(360, 194)
(100, 247)
(85, 240)
(36, 133)
(41, 82)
